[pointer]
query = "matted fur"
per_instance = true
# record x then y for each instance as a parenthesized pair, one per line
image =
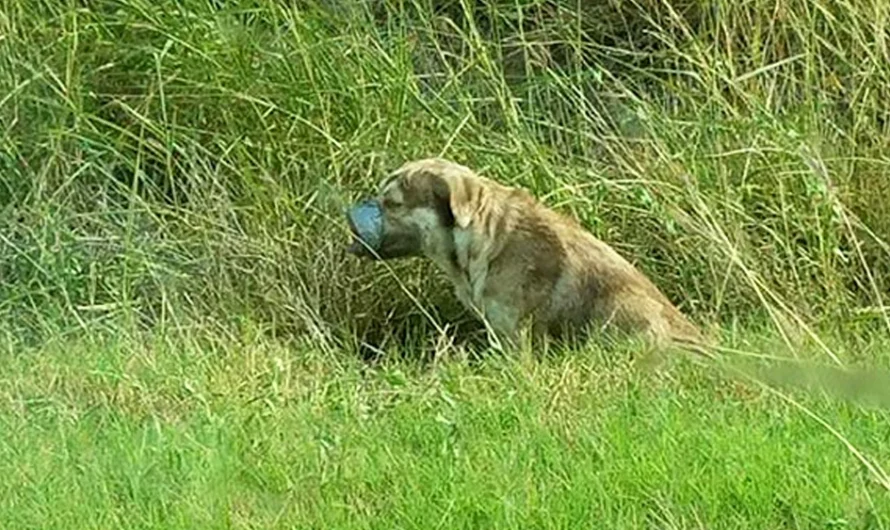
(514, 261)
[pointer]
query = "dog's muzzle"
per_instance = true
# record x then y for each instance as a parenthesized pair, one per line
(366, 223)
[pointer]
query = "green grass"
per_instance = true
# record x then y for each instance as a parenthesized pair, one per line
(185, 342)
(116, 433)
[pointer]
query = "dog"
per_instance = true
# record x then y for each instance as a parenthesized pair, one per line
(513, 262)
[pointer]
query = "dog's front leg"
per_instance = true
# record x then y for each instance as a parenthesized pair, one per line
(502, 321)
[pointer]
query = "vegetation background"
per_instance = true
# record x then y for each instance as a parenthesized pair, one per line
(186, 344)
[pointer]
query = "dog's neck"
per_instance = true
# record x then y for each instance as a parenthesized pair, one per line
(459, 258)
(442, 250)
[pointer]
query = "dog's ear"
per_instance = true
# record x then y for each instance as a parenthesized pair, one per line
(454, 191)
(442, 201)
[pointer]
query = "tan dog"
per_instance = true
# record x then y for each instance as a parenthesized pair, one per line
(512, 260)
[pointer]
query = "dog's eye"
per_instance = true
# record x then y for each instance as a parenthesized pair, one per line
(390, 203)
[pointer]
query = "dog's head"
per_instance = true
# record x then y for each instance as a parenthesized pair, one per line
(415, 211)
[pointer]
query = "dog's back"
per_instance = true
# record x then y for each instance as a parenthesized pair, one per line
(573, 279)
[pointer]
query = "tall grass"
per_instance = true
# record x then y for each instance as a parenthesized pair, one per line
(179, 162)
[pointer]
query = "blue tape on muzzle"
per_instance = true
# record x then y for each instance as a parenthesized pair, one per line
(366, 223)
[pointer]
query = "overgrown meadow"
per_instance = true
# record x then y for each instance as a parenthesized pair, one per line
(186, 344)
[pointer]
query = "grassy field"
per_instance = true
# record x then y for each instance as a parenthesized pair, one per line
(154, 434)
(185, 344)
